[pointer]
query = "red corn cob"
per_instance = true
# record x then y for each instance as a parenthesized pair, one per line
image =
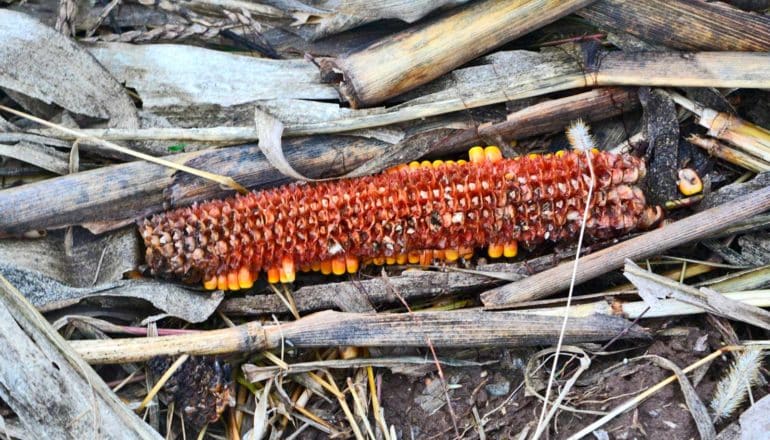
(406, 214)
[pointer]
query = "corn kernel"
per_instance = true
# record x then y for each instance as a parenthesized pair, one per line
(273, 275)
(245, 280)
(476, 155)
(222, 282)
(351, 264)
(210, 284)
(338, 266)
(493, 153)
(689, 182)
(510, 250)
(232, 281)
(495, 251)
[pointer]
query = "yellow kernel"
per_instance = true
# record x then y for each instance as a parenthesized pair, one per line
(689, 182)
(493, 153)
(338, 266)
(413, 257)
(286, 277)
(426, 257)
(414, 165)
(510, 250)
(273, 275)
(425, 164)
(326, 267)
(210, 284)
(402, 258)
(245, 280)
(438, 163)
(451, 255)
(495, 251)
(232, 281)
(222, 282)
(476, 155)
(351, 264)
(287, 266)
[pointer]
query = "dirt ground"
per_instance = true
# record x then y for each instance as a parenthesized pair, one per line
(417, 405)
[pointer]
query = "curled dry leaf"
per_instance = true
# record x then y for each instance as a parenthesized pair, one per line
(270, 131)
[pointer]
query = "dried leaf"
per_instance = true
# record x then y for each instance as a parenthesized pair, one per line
(166, 75)
(39, 62)
(260, 423)
(329, 17)
(653, 287)
(46, 158)
(91, 260)
(754, 421)
(269, 131)
(47, 295)
(52, 276)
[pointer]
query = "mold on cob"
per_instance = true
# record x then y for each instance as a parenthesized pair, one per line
(411, 213)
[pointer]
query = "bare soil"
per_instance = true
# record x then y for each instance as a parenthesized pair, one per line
(417, 405)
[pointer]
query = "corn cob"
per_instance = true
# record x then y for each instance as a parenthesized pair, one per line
(410, 213)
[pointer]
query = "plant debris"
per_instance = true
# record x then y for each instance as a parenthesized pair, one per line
(405, 171)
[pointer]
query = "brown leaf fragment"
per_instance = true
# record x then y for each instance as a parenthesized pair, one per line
(662, 132)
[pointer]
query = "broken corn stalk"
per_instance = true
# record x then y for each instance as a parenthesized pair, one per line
(729, 154)
(411, 213)
(750, 138)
